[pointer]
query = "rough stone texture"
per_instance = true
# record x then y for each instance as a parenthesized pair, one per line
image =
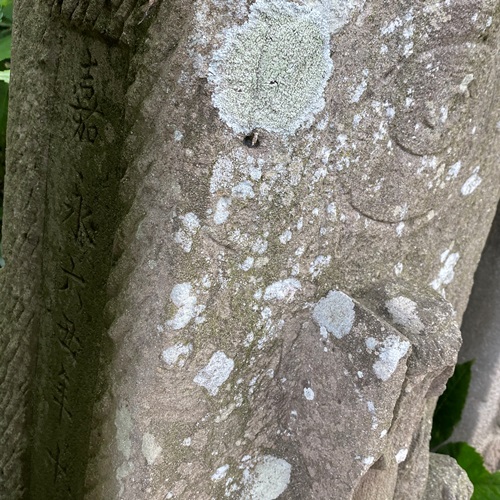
(481, 327)
(280, 309)
(447, 481)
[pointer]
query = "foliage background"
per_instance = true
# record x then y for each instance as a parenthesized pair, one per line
(5, 44)
(447, 415)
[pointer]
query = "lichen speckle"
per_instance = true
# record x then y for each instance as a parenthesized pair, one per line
(398, 269)
(183, 297)
(308, 393)
(151, 450)
(177, 354)
(215, 373)
(472, 183)
(243, 190)
(220, 473)
(334, 314)
(358, 92)
(247, 264)
(320, 262)
(269, 479)
(403, 312)
(271, 72)
(222, 211)
(454, 170)
(389, 352)
(124, 424)
(281, 290)
(185, 235)
(447, 271)
(285, 237)
(401, 455)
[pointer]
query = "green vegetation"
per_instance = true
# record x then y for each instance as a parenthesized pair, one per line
(450, 405)
(486, 484)
(5, 43)
(447, 415)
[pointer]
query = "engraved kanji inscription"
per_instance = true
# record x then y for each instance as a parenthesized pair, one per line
(86, 103)
(79, 217)
(61, 395)
(59, 469)
(68, 339)
(71, 276)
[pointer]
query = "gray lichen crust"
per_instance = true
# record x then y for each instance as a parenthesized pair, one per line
(272, 71)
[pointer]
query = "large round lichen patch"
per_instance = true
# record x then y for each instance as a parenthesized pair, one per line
(271, 72)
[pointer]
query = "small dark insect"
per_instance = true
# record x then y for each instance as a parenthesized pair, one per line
(252, 140)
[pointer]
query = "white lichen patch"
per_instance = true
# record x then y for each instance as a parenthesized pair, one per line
(401, 455)
(472, 183)
(222, 210)
(331, 210)
(371, 409)
(447, 271)
(260, 246)
(123, 424)
(398, 269)
(184, 236)
(177, 354)
(268, 480)
(151, 450)
(282, 290)
(271, 72)
(122, 472)
(404, 312)
(220, 473)
(358, 92)
(308, 393)
(334, 314)
(319, 263)
(243, 190)
(222, 174)
(389, 352)
(183, 297)
(215, 373)
(247, 264)
(454, 170)
(467, 80)
(285, 237)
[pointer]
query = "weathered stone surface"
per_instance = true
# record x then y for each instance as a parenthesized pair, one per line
(481, 326)
(429, 324)
(279, 315)
(447, 480)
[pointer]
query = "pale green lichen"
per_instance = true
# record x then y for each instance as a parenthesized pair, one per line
(272, 71)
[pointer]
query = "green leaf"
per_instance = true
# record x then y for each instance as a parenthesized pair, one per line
(486, 484)
(450, 405)
(5, 43)
(6, 10)
(5, 76)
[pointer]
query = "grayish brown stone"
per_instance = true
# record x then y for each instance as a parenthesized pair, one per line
(447, 481)
(261, 315)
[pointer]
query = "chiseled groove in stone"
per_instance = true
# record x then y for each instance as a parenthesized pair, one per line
(109, 20)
